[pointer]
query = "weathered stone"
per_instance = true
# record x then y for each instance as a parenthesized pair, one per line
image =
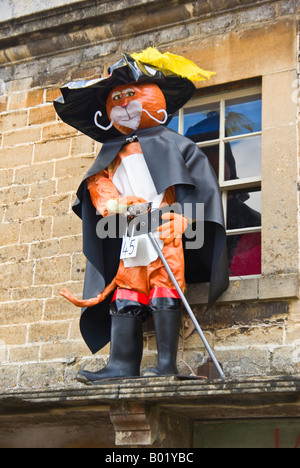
(254, 327)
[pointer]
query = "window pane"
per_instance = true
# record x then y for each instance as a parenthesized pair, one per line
(243, 115)
(202, 123)
(244, 254)
(243, 209)
(212, 153)
(174, 124)
(244, 250)
(235, 165)
(244, 158)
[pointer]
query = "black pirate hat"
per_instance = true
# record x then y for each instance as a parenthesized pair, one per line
(81, 100)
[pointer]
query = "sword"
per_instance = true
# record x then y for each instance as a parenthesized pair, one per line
(143, 213)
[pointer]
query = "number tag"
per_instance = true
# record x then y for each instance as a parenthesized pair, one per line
(129, 247)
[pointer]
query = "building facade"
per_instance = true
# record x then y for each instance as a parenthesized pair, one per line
(246, 118)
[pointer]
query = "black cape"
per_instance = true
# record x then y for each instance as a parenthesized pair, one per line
(173, 160)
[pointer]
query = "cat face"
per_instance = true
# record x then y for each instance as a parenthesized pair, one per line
(136, 106)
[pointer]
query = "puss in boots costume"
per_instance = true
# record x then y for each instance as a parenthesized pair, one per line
(141, 160)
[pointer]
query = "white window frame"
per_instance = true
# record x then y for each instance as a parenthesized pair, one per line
(227, 185)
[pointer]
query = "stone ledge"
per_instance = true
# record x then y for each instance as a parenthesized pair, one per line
(139, 412)
(253, 288)
(151, 390)
(36, 30)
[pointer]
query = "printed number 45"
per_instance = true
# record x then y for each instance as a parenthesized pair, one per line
(129, 247)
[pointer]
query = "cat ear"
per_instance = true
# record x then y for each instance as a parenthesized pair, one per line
(99, 114)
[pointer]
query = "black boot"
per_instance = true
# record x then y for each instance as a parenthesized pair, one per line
(125, 352)
(167, 321)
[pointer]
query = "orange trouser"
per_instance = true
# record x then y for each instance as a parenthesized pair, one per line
(144, 279)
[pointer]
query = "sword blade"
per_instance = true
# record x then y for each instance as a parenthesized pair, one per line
(186, 305)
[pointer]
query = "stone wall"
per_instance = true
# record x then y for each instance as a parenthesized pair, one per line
(41, 162)
(255, 328)
(12, 9)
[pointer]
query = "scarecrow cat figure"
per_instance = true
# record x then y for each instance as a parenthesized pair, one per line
(142, 161)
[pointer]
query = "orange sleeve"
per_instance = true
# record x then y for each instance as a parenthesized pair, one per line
(101, 190)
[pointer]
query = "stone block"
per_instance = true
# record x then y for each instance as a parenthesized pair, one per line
(273, 286)
(35, 230)
(41, 115)
(8, 377)
(63, 350)
(14, 274)
(3, 103)
(16, 193)
(258, 51)
(48, 332)
(13, 335)
(51, 150)
(133, 424)
(12, 157)
(58, 308)
(6, 177)
(55, 205)
(23, 312)
(57, 130)
(66, 225)
(246, 337)
(258, 14)
(70, 245)
(41, 375)
(286, 360)
(41, 249)
(247, 362)
(34, 173)
(31, 292)
(52, 270)
(279, 197)
(42, 189)
(14, 253)
(26, 99)
(82, 144)
(292, 334)
(21, 137)
(73, 167)
(13, 120)
(9, 233)
(52, 94)
(279, 109)
(24, 354)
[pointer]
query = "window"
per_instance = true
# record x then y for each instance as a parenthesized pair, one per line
(227, 127)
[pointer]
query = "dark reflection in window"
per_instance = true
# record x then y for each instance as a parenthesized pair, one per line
(243, 209)
(243, 115)
(245, 259)
(208, 129)
(174, 123)
(202, 123)
(244, 250)
(242, 156)
(242, 160)
(213, 155)
(247, 156)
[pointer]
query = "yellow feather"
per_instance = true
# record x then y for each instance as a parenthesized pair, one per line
(172, 64)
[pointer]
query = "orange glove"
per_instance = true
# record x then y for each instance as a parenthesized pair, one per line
(173, 230)
(128, 201)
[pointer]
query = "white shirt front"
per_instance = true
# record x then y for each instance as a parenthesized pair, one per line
(133, 178)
